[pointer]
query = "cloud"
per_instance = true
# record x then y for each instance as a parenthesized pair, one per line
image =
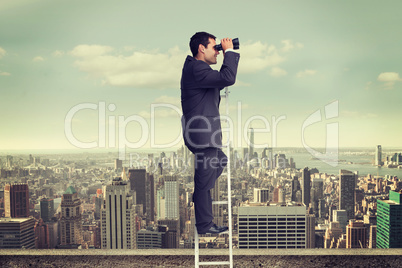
(258, 56)
(38, 59)
(90, 51)
(140, 69)
(4, 74)
(58, 53)
(389, 78)
(368, 85)
(277, 72)
(154, 69)
(306, 73)
(2, 52)
(288, 45)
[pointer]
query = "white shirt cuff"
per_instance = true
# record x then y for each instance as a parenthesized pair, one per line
(229, 49)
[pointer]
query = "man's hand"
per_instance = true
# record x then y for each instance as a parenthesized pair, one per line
(226, 43)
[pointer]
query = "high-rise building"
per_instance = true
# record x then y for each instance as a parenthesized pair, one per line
(41, 235)
(160, 204)
(16, 200)
(53, 228)
(389, 221)
(70, 222)
(332, 234)
(149, 239)
(322, 208)
(356, 234)
(261, 195)
(171, 197)
(310, 231)
(150, 198)
(341, 216)
(118, 164)
(347, 185)
(118, 228)
(373, 236)
(306, 187)
(172, 235)
(98, 204)
(378, 156)
(46, 209)
(251, 141)
(138, 181)
(17, 233)
(272, 226)
(295, 186)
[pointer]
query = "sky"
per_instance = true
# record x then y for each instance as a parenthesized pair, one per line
(106, 74)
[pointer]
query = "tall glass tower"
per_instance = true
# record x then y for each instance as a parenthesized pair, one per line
(389, 221)
(378, 156)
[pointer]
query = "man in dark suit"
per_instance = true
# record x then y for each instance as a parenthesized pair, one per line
(200, 98)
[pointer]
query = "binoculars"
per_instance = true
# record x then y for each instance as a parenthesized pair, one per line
(236, 44)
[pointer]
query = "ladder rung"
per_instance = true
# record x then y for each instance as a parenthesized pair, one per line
(225, 232)
(214, 263)
(219, 202)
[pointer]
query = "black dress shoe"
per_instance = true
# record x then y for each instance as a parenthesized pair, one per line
(215, 230)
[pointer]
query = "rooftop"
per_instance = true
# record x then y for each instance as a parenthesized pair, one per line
(70, 190)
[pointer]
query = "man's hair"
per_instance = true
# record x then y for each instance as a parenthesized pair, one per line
(199, 38)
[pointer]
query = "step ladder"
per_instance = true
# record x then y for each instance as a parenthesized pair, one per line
(228, 203)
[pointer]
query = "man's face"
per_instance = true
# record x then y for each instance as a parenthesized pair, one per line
(211, 53)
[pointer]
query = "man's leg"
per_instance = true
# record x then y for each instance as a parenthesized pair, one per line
(209, 164)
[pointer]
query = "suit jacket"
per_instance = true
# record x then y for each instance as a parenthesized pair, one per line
(200, 98)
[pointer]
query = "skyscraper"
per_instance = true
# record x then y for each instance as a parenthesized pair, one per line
(341, 216)
(251, 141)
(138, 180)
(272, 226)
(310, 231)
(118, 164)
(118, 230)
(356, 234)
(378, 156)
(17, 233)
(150, 198)
(389, 221)
(70, 222)
(172, 239)
(171, 197)
(261, 195)
(46, 209)
(347, 185)
(306, 187)
(295, 186)
(16, 200)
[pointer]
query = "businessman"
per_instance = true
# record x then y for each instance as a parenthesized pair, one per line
(200, 98)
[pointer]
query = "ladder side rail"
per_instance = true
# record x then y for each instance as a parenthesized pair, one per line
(229, 186)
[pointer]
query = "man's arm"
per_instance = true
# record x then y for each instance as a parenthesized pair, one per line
(205, 77)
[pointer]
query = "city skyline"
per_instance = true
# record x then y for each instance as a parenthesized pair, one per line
(296, 59)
